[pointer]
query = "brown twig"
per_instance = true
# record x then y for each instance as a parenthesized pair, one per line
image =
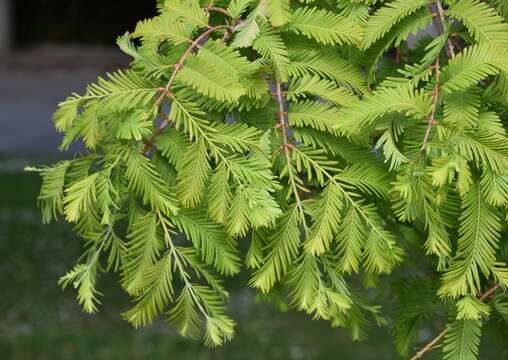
(218, 10)
(489, 293)
(282, 117)
(283, 125)
(438, 19)
(167, 89)
(435, 102)
(432, 344)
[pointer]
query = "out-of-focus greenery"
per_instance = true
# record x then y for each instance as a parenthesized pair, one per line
(39, 321)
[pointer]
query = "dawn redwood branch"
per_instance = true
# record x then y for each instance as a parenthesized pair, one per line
(484, 297)
(489, 293)
(166, 91)
(435, 102)
(218, 10)
(439, 23)
(195, 45)
(438, 19)
(283, 125)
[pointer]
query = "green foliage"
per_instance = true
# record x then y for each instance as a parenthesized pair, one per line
(382, 102)
(479, 234)
(481, 21)
(325, 27)
(278, 12)
(475, 63)
(463, 340)
(52, 191)
(354, 163)
(380, 23)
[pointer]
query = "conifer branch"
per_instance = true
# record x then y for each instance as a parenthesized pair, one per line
(439, 24)
(432, 344)
(435, 102)
(184, 275)
(286, 147)
(167, 89)
(438, 19)
(215, 176)
(179, 65)
(211, 8)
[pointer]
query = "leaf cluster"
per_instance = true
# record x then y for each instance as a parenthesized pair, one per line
(327, 136)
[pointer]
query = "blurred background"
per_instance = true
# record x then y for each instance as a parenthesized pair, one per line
(48, 49)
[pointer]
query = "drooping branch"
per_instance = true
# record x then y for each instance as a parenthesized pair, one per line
(179, 264)
(439, 24)
(486, 296)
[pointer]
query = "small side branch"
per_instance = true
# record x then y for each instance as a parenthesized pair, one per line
(282, 118)
(432, 344)
(179, 65)
(219, 10)
(489, 293)
(166, 91)
(435, 95)
(439, 21)
(283, 125)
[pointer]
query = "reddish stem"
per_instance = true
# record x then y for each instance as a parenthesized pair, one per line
(435, 94)
(218, 10)
(486, 296)
(167, 90)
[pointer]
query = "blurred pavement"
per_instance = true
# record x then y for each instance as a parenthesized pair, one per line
(34, 81)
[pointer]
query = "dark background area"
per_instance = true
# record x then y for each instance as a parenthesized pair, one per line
(76, 21)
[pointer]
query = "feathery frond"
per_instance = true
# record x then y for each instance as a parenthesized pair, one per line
(269, 44)
(282, 251)
(382, 102)
(481, 20)
(329, 137)
(386, 17)
(144, 179)
(462, 340)
(325, 27)
(475, 63)
(476, 254)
